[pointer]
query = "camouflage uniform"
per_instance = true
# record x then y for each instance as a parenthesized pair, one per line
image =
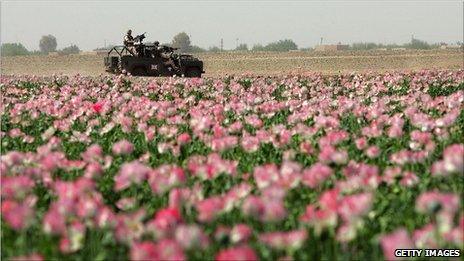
(129, 42)
(167, 59)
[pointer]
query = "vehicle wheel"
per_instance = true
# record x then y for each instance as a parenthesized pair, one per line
(139, 71)
(193, 72)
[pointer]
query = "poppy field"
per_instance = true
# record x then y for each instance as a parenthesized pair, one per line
(259, 63)
(294, 167)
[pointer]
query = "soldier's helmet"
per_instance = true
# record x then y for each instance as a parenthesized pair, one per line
(129, 31)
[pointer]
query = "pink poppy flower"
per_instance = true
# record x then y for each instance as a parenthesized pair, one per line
(235, 195)
(183, 138)
(329, 199)
(51, 161)
(250, 143)
(395, 131)
(235, 127)
(13, 158)
(240, 233)
(398, 239)
(409, 179)
(16, 187)
(420, 137)
(347, 232)
(425, 237)
(133, 172)
(253, 206)
(372, 152)
(284, 240)
(274, 210)
(191, 236)
(319, 218)
(105, 218)
(165, 177)
(433, 201)
(239, 253)
(254, 121)
(93, 170)
(54, 222)
(265, 175)
(97, 107)
(209, 208)
(144, 251)
(353, 206)
(65, 244)
(93, 153)
(306, 147)
(130, 227)
(123, 147)
(438, 169)
(328, 154)
(453, 157)
(361, 143)
(316, 174)
(168, 249)
(333, 138)
(17, 215)
(166, 219)
(15, 133)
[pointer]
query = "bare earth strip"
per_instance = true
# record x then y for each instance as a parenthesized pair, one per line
(259, 63)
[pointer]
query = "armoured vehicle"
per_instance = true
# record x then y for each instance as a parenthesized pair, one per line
(146, 60)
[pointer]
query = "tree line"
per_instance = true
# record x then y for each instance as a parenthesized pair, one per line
(414, 44)
(182, 41)
(48, 44)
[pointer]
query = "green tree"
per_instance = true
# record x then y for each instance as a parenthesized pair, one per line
(47, 44)
(282, 46)
(182, 41)
(13, 49)
(72, 49)
(242, 47)
(365, 46)
(279, 46)
(196, 49)
(214, 49)
(258, 47)
(418, 44)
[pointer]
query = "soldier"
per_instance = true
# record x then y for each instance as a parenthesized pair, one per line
(129, 42)
(167, 59)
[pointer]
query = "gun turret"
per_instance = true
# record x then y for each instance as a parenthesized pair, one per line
(140, 37)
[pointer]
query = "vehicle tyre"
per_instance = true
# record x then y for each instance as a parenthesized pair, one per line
(193, 72)
(139, 71)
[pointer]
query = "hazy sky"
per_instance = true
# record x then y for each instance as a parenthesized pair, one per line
(89, 23)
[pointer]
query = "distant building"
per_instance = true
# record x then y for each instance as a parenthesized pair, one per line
(331, 47)
(450, 47)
